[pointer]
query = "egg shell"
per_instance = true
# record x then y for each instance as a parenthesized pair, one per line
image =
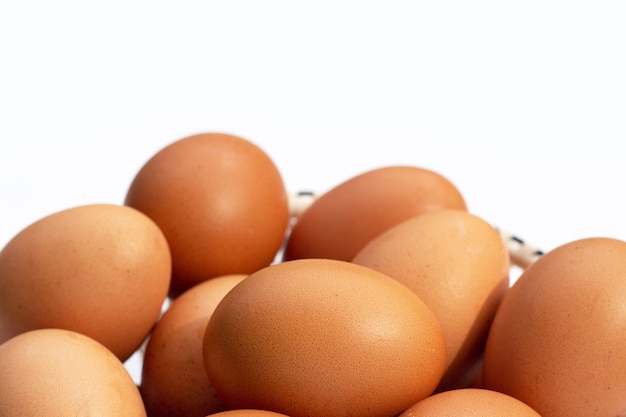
(174, 382)
(344, 219)
(60, 373)
(220, 201)
(248, 413)
(323, 337)
(470, 402)
(456, 263)
(100, 269)
(558, 339)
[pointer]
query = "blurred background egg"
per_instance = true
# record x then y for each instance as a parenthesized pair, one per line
(456, 263)
(220, 201)
(248, 413)
(174, 382)
(60, 373)
(345, 218)
(470, 402)
(557, 341)
(99, 269)
(322, 337)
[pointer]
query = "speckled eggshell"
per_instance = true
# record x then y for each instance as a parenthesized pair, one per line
(456, 262)
(101, 269)
(470, 402)
(558, 339)
(220, 201)
(344, 219)
(320, 337)
(60, 373)
(174, 382)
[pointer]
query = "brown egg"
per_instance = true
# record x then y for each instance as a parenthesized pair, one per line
(557, 341)
(54, 372)
(470, 402)
(454, 261)
(220, 201)
(102, 270)
(343, 220)
(174, 381)
(325, 338)
(248, 413)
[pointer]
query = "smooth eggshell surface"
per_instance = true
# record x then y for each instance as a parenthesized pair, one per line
(60, 373)
(248, 413)
(455, 262)
(323, 337)
(102, 270)
(344, 219)
(220, 201)
(558, 339)
(470, 402)
(174, 382)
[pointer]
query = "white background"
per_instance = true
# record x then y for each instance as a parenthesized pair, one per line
(521, 104)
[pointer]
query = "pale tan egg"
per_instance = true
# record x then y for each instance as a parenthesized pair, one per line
(455, 262)
(323, 337)
(60, 373)
(174, 381)
(101, 269)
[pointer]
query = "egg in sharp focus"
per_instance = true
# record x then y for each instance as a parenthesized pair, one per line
(323, 337)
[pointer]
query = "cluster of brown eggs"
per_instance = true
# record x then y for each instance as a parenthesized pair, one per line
(382, 297)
